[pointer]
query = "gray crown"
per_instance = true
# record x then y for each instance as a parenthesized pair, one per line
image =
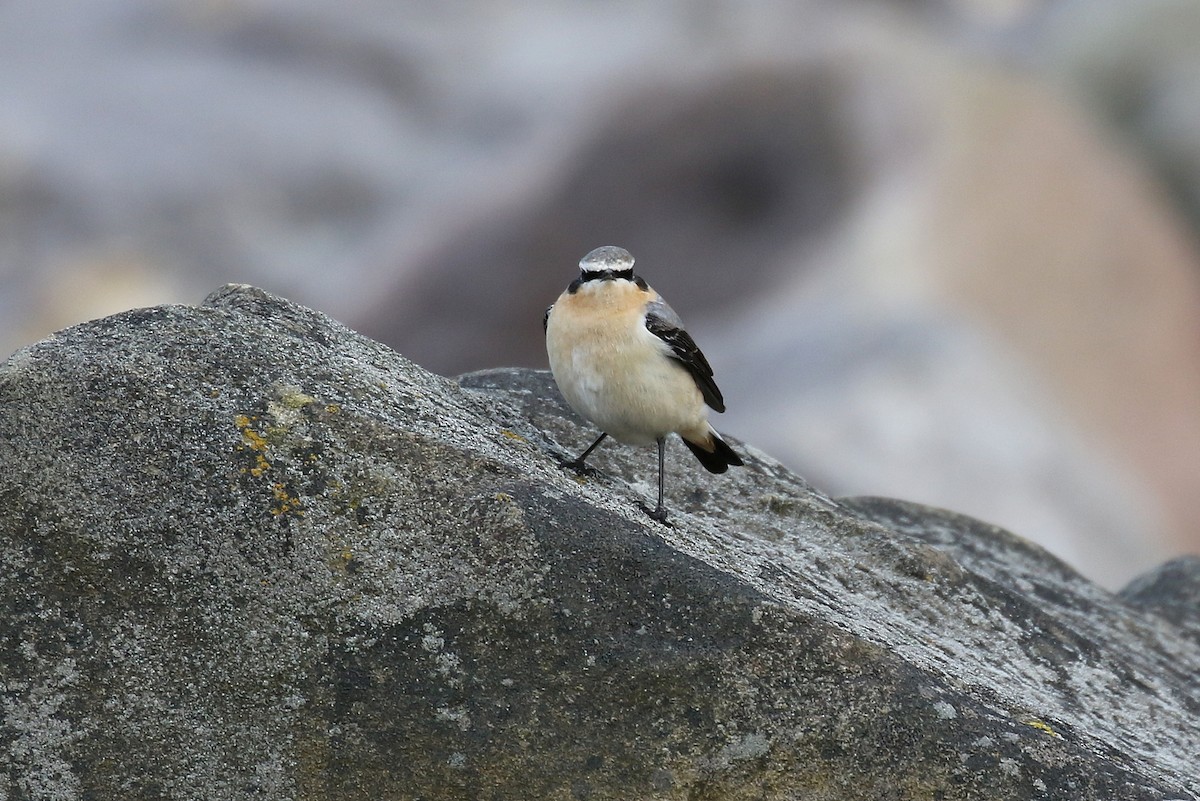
(607, 259)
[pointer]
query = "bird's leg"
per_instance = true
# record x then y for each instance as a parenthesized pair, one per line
(577, 465)
(660, 512)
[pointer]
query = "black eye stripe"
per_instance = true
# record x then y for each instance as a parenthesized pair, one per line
(611, 275)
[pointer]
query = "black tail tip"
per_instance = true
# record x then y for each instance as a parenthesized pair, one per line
(719, 459)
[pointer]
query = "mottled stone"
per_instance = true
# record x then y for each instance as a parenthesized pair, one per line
(251, 554)
(1172, 590)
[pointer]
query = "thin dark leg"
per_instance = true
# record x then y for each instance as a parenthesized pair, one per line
(578, 464)
(660, 512)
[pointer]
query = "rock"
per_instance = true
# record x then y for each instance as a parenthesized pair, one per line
(1172, 590)
(251, 554)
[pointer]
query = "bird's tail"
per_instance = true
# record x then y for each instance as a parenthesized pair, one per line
(714, 453)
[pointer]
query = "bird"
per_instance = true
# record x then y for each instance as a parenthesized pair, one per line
(622, 359)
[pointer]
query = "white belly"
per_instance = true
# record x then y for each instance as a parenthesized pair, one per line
(624, 383)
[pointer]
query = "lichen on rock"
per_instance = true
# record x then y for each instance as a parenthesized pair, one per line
(251, 554)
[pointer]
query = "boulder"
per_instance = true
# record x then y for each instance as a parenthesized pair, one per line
(249, 553)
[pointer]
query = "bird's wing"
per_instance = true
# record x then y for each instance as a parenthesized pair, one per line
(546, 317)
(664, 323)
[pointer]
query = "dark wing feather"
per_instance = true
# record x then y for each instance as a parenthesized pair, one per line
(546, 318)
(664, 324)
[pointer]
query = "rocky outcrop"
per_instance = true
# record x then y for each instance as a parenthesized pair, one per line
(249, 553)
(953, 238)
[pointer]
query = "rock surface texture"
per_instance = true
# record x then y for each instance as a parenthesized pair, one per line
(250, 554)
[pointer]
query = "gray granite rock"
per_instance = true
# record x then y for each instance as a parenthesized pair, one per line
(1173, 591)
(249, 553)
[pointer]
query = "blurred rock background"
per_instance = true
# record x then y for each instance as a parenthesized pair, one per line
(939, 249)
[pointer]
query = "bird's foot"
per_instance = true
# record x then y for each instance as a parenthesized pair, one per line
(577, 466)
(658, 514)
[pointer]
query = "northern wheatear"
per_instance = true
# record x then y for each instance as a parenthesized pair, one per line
(621, 358)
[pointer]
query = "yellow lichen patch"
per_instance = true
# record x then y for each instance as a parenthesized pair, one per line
(252, 438)
(333, 408)
(254, 441)
(257, 442)
(512, 435)
(503, 497)
(1042, 726)
(286, 503)
(261, 466)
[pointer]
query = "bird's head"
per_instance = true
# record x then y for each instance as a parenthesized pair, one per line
(606, 263)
